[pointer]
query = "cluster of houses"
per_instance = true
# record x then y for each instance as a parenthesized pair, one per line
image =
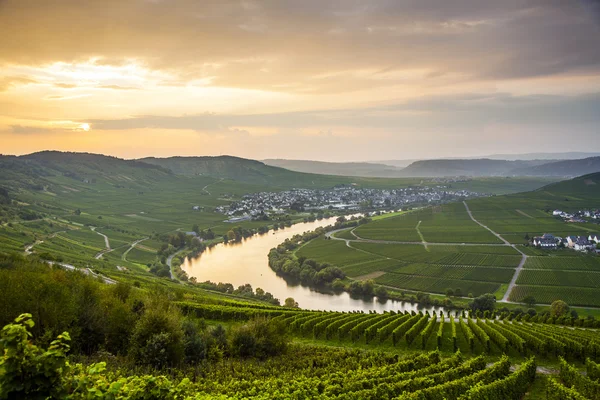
(256, 205)
(579, 243)
(578, 216)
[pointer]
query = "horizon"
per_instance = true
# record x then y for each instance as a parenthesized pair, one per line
(492, 157)
(330, 81)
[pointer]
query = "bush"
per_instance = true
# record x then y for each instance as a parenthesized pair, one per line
(157, 339)
(259, 338)
(27, 370)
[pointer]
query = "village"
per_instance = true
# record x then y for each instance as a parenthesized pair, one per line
(579, 243)
(346, 198)
(579, 216)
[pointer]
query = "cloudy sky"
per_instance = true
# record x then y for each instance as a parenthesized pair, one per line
(312, 79)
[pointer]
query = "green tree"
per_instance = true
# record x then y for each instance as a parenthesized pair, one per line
(157, 338)
(529, 300)
(558, 308)
(381, 292)
(483, 303)
(290, 303)
(259, 338)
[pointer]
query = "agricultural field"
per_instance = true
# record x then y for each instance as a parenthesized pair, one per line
(413, 268)
(449, 223)
(576, 296)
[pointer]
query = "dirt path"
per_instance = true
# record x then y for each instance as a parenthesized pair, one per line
(524, 214)
(30, 247)
(214, 183)
(421, 236)
(513, 281)
(106, 242)
(124, 256)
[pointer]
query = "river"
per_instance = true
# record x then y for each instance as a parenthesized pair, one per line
(247, 262)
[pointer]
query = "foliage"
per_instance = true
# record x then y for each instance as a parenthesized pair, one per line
(259, 338)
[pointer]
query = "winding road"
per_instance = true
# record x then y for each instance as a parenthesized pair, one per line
(124, 256)
(106, 243)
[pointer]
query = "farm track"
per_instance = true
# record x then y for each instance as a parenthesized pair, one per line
(513, 281)
(106, 243)
(214, 183)
(359, 239)
(124, 256)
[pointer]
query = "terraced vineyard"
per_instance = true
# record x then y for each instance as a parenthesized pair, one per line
(416, 331)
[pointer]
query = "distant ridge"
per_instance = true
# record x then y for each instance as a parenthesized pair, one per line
(568, 168)
(363, 169)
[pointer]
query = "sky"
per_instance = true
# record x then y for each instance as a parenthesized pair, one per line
(335, 80)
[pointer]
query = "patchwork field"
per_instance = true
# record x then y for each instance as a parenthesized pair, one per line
(439, 248)
(412, 267)
(444, 224)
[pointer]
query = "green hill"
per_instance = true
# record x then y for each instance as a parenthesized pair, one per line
(477, 167)
(562, 168)
(364, 169)
(583, 188)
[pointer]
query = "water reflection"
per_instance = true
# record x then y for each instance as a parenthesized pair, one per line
(247, 262)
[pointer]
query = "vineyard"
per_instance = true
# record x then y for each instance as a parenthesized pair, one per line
(547, 294)
(436, 285)
(312, 372)
(497, 335)
(564, 263)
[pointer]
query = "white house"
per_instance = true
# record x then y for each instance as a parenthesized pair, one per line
(583, 244)
(571, 240)
(594, 238)
(557, 213)
(546, 241)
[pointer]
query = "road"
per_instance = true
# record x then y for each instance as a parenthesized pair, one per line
(106, 242)
(513, 281)
(85, 271)
(124, 256)
(170, 261)
(214, 183)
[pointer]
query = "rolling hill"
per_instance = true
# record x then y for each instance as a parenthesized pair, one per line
(363, 169)
(477, 167)
(562, 168)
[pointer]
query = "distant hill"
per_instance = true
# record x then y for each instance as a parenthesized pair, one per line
(562, 168)
(33, 171)
(459, 167)
(235, 168)
(573, 155)
(363, 169)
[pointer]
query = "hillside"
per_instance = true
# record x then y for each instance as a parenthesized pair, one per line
(38, 170)
(363, 169)
(586, 187)
(562, 168)
(258, 173)
(478, 167)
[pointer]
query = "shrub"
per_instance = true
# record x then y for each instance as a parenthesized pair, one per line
(259, 338)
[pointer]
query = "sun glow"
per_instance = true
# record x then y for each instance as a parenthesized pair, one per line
(85, 127)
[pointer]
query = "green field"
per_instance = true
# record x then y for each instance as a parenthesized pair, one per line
(444, 224)
(466, 262)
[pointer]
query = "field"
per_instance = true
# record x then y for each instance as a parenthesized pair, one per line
(444, 224)
(414, 268)
(439, 248)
